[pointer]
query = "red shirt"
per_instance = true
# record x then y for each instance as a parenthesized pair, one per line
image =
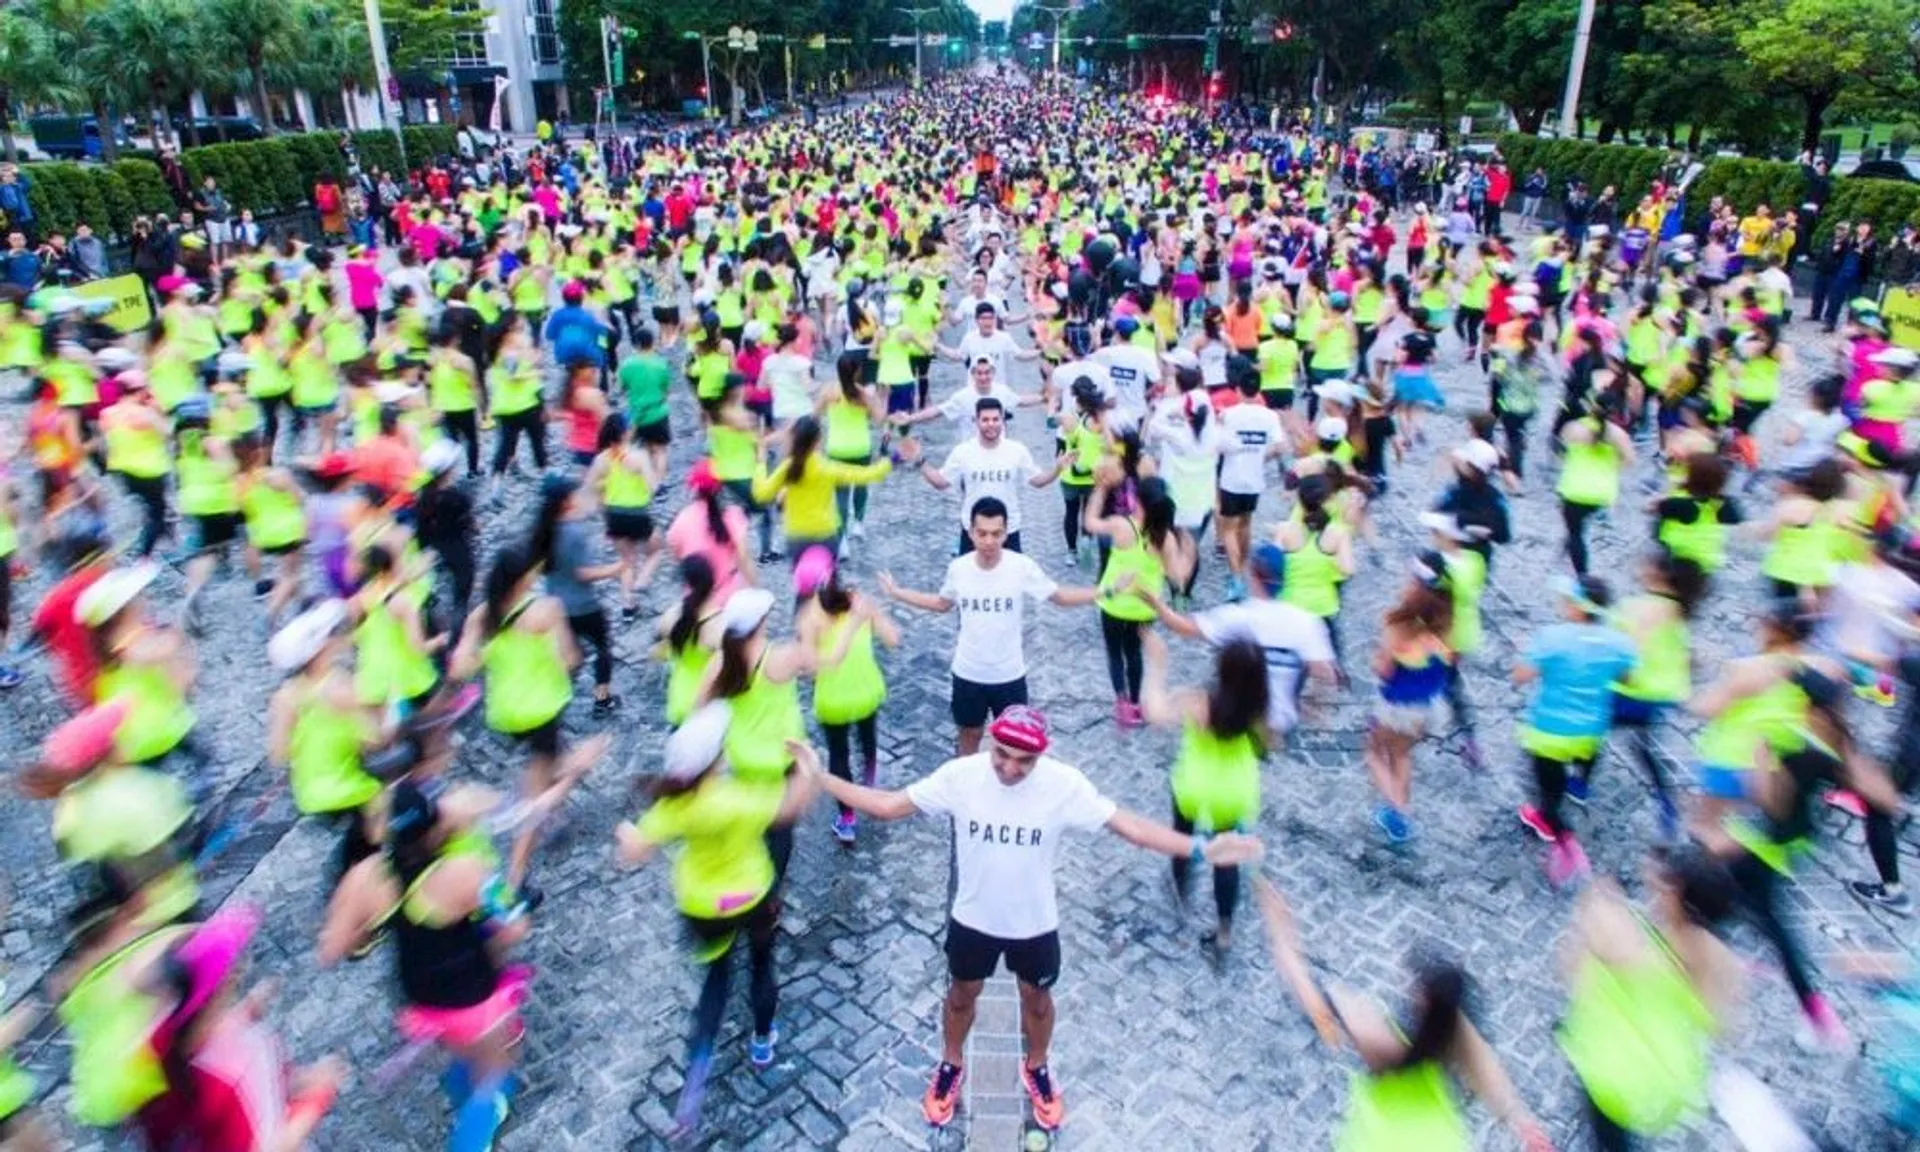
(1499, 299)
(1499, 183)
(66, 638)
(679, 210)
(1382, 239)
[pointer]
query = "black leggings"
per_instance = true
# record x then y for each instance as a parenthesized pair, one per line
(1226, 879)
(1124, 664)
(763, 991)
(1075, 497)
(1760, 889)
(1515, 424)
(1457, 700)
(507, 433)
(1576, 517)
(465, 428)
(592, 628)
(270, 420)
(840, 751)
(1608, 1136)
(1550, 786)
(1377, 431)
(1882, 844)
(151, 492)
(1642, 738)
(1466, 325)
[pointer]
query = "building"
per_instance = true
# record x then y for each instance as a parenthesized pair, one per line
(522, 46)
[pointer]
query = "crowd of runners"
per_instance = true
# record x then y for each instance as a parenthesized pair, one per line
(1213, 329)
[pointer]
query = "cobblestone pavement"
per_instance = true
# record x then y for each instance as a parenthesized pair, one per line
(1157, 1047)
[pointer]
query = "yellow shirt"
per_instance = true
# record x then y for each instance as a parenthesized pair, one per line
(809, 512)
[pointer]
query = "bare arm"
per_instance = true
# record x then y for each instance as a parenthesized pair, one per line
(925, 601)
(1283, 939)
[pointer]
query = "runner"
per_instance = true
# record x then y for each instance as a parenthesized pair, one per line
(841, 625)
(1008, 806)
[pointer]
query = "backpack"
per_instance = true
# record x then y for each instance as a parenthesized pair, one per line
(326, 198)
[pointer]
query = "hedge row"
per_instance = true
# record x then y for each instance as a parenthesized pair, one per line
(1745, 184)
(269, 176)
(105, 196)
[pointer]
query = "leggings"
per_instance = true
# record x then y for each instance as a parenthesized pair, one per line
(592, 628)
(152, 494)
(1075, 497)
(1881, 842)
(763, 992)
(1760, 889)
(1226, 880)
(922, 370)
(1608, 1136)
(1576, 517)
(465, 428)
(779, 840)
(1515, 424)
(506, 438)
(1377, 430)
(1457, 700)
(1642, 737)
(1124, 666)
(270, 420)
(850, 499)
(840, 751)
(1466, 325)
(1550, 784)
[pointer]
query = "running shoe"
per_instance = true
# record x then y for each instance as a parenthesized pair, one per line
(1577, 789)
(686, 1114)
(844, 826)
(1867, 892)
(630, 612)
(1567, 863)
(1236, 589)
(1848, 802)
(262, 588)
(605, 707)
(1394, 824)
(943, 1095)
(1049, 1111)
(760, 1048)
(1536, 823)
(1879, 692)
(1127, 714)
(1820, 1028)
(11, 678)
(858, 531)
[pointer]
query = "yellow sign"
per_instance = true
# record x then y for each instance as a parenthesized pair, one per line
(817, 41)
(1901, 311)
(131, 311)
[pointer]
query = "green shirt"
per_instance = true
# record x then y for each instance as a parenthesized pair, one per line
(646, 378)
(722, 868)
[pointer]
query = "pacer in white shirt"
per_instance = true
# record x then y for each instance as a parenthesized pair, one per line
(989, 586)
(1010, 807)
(989, 466)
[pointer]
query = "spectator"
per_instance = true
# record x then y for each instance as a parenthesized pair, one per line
(1499, 187)
(211, 203)
(1854, 270)
(246, 232)
(14, 201)
(56, 260)
(1900, 266)
(148, 254)
(1576, 212)
(331, 202)
(1816, 186)
(1826, 270)
(89, 253)
(20, 265)
(1532, 193)
(1606, 210)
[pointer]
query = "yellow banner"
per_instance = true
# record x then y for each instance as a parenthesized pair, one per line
(131, 312)
(817, 41)
(1901, 311)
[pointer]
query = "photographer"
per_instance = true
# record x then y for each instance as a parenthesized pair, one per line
(151, 253)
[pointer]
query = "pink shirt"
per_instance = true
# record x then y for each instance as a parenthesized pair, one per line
(689, 535)
(363, 284)
(425, 239)
(549, 201)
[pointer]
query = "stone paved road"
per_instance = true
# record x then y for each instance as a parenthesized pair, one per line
(1156, 1048)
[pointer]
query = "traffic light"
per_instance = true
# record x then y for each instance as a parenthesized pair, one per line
(1282, 32)
(1215, 87)
(1135, 42)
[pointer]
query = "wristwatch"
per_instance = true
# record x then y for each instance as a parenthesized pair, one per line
(1200, 841)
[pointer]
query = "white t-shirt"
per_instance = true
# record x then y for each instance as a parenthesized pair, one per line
(789, 377)
(969, 304)
(992, 603)
(1290, 637)
(1250, 430)
(1065, 374)
(1006, 839)
(1134, 371)
(998, 349)
(1001, 471)
(960, 406)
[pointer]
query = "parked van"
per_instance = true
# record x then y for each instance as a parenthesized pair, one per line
(71, 137)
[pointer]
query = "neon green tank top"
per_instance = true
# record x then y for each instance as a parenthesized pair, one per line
(158, 717)
(1313, 580)
(1772, 718)
(1334, 350)
(137, 452)
(1806, 554)
(323, 760)
(1466, 581)
(387, 668)
(209, 486)
(1590, 474)
(527, 682)
(1216, 782)
(1663, 670)
(1149, 575)
(450, 387)
(627, 488)
(710, 374)
(1704, 541)
(1639, 1037)
(1759, 380)
(734, 452)
(108, 1015)
(849, 431)
(765, 717)
(1403, 1110)
(855, 688)
(686, 668)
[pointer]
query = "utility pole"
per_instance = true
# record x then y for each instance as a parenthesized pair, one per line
(1057, 11)
(389, 94)
(916, 14)
(613, 67)
(1576, 71)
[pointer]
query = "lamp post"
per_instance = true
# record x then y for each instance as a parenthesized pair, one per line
(1056, 11)
(1576, 70)
(389, 93)
(916, 14)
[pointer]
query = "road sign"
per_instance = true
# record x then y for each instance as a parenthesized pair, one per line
(1037, 41)
(899, 41)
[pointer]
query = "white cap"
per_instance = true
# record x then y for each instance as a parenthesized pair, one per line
(1478, 454)
(234, 361)
(1524, 305)
(1444, 524)
(1184, 358)
(108, 595)
(1896, 357)
(115, 358)
(440, 457)
(894, 314)
(392, 391)
(745, 610)
(1330, 428)
(1502, 268)
(294, 645)
(699, 741)
(754, 331)
(1335, 392)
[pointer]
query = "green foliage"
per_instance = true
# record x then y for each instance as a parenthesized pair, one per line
(426, 141)
(377, 149)
(421, 34)
(145, 186)
(1631, 171)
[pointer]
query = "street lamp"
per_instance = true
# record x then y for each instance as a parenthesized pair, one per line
(916, 14)
(1056, 11)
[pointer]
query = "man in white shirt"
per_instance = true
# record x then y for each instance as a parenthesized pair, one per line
(977, 294)
(1135, 371)
(988, 341)
(961, 407)
(989, 466)
(1250, 436)
(989, 586)
(1009, 807)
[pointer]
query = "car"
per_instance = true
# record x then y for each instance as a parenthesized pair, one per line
(226, 129)
(1903, 170)
(71, 137)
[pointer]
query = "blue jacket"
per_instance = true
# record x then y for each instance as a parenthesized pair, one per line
(14, 201)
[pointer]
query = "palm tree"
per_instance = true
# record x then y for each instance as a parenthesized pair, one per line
(28, 73)
(77, 65)
(160, 49)
(252, 32)
(333, 53)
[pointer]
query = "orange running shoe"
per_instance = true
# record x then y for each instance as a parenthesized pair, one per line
(1049, 1111)
(943, 1095)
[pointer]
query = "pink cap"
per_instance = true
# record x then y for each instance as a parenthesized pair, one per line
(812, 570)
(79, 745)
(1021, 728)
(209, 955)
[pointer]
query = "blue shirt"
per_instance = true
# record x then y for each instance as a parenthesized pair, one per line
(1578, 664)
(21, 269)
(575, 335)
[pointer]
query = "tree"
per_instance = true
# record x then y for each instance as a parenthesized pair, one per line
(29, 73)
(159, 48)
(333, 53)
(1816, 50)
(421, 34)
(76, 62)
(251, 31)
